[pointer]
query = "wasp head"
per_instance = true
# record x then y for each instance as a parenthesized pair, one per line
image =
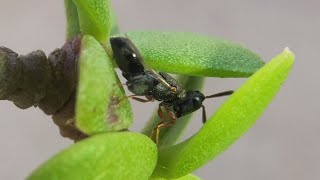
(193, 101)
(197, 99)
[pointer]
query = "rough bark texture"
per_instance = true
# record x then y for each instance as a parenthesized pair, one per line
(48, 83)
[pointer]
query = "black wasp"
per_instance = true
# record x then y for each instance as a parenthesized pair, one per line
(144, 81)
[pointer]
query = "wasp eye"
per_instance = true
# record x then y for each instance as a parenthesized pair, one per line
(196, 101)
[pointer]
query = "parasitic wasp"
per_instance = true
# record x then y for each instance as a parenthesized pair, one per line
(144, 81)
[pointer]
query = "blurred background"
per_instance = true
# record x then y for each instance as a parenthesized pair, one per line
(283, 144)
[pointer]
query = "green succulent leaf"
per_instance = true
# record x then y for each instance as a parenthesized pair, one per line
(231, 121)
(195, 55)
(103, 156)
(73, 27)
(101, 104)
(187, 177)
(168, 136)
(94, 18)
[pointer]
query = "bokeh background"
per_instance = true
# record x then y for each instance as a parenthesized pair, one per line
(283, 144)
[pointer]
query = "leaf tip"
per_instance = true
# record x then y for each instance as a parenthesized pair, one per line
(289, 54)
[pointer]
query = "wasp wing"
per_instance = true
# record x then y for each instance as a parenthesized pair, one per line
(146, 67)
(127, 56)
(130, 60)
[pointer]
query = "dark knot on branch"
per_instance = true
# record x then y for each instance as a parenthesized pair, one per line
(48, 83)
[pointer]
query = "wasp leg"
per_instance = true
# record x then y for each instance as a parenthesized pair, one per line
(162, 124)
(150, 98)
(160, 114)
(138, 99)
(134, 97)
(165, 124)
(171, 115)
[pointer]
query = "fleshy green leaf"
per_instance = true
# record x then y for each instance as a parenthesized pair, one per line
(168, 136)
(195, 55)
(120, 155)
(73, 27)
(101, 103)
(187, 177)
(231, 121)
(94, 18)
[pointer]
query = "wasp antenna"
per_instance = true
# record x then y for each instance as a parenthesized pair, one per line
(225, 93)
(204, 115)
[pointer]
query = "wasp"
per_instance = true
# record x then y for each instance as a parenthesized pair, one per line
(144, 81)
